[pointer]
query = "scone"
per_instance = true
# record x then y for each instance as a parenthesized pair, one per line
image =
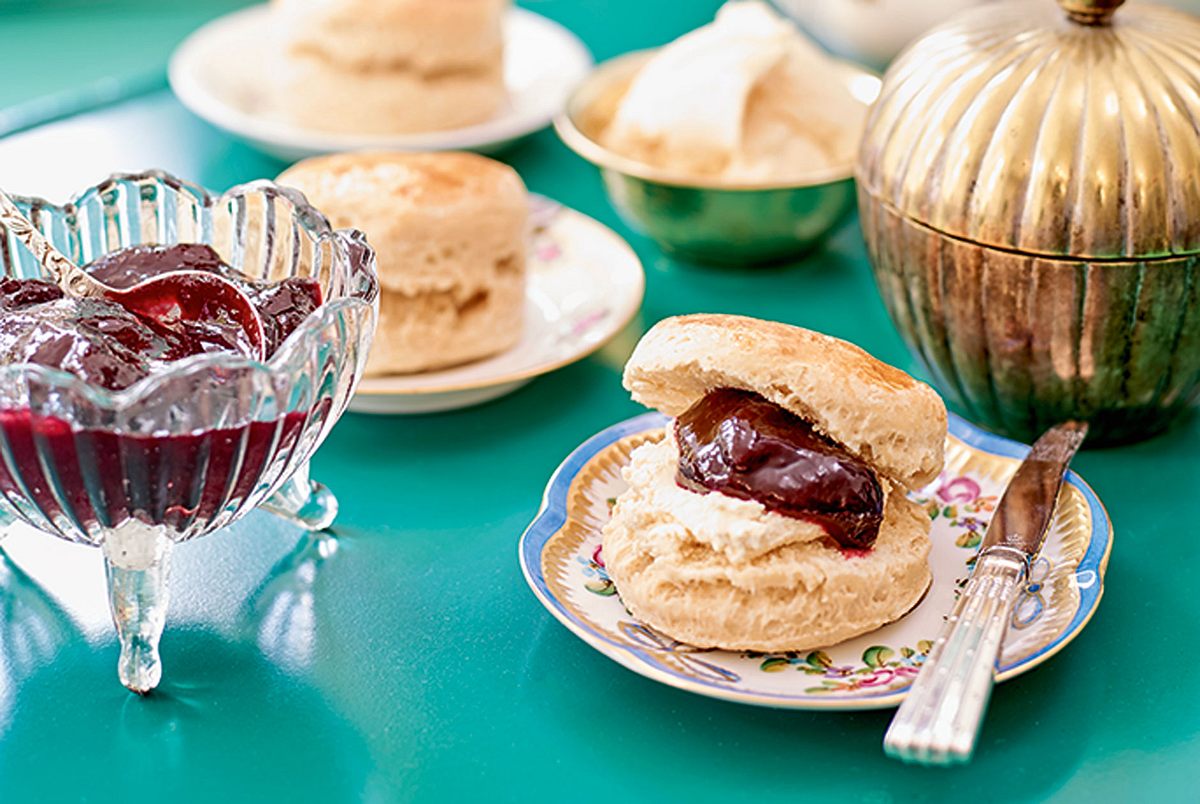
(772, 516)
(317, 94)
(427, 36)
(389, 66)
(449, 233)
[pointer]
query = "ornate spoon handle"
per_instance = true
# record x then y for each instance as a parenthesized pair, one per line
(57, 265)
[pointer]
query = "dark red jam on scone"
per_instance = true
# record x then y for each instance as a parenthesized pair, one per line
(108, 345)
(738, 443)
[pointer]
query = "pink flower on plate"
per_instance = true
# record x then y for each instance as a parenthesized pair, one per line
(959, 490)
(546, 252)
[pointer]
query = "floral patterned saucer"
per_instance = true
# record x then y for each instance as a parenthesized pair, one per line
(562, 560)
(584, 284)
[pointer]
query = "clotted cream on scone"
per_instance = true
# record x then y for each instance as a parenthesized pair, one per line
(772, 515)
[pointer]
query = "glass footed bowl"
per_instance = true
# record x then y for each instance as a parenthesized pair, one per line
(193, 448)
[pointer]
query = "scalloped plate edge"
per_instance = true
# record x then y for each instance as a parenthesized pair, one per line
(552, 516)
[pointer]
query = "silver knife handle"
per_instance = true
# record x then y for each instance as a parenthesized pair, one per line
(939, 720)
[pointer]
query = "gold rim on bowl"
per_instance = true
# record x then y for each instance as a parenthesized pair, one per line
(607, 76)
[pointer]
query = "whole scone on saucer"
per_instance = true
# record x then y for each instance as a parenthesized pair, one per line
(389, 66)
(772, 515)
(449, 233)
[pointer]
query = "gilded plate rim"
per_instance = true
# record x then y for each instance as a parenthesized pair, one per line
(552, 517)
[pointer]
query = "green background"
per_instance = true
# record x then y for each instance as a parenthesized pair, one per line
(411, 662)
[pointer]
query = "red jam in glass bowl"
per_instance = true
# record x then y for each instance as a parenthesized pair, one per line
(103, 343)
(133, 431)
(104, 477)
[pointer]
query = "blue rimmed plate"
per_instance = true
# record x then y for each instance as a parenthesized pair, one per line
(562, 561)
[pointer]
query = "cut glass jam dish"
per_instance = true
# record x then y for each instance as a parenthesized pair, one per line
(134, 467)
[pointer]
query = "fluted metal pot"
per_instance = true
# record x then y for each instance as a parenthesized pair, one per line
(1029, 189)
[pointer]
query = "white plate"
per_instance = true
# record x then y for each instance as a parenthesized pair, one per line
(584, 285)
(563, 563)
(218, 73)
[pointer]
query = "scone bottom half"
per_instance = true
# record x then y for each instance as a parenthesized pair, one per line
(771, 516)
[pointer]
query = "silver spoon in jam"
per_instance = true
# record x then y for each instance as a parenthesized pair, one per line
(169, 297)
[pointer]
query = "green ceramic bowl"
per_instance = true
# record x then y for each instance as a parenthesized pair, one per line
(726, 222)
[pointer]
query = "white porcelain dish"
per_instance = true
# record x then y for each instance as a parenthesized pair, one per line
(217, 74)
(563, 562)
(870, 31)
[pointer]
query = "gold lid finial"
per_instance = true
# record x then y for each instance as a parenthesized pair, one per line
(1090, 12)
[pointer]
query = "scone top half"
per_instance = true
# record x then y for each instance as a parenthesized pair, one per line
(449, 232)
(894, 423)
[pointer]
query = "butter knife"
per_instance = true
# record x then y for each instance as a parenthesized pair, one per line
(939, 720)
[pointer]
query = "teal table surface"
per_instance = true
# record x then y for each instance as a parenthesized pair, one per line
(403, 658)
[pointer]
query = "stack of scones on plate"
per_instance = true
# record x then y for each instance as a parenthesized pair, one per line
(390, 66)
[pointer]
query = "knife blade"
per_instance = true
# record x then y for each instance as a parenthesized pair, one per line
(1023, 516)
(938, 723)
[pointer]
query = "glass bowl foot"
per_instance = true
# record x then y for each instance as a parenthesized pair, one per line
(304, 502)
(137, 563)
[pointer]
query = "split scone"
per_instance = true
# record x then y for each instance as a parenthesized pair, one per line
(772, 515)
(390, 66)
(449, 233)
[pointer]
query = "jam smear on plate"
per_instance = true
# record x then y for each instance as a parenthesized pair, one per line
(737, 443)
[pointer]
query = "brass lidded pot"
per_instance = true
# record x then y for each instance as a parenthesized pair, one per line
(1029, 188)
